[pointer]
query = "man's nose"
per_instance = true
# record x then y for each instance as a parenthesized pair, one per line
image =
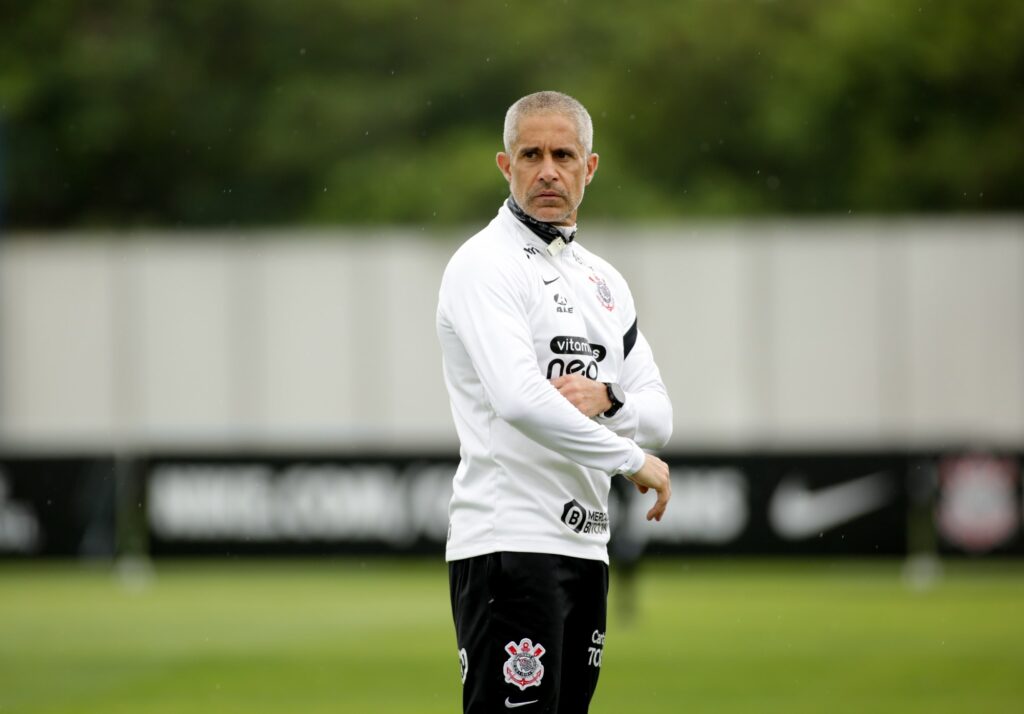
(547, 169)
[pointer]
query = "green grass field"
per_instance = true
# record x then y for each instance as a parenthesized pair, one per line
(375, 636)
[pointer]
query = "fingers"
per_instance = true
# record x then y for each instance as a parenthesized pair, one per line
(658, 509)
(654, 475)
(588, 396)
(570, 385)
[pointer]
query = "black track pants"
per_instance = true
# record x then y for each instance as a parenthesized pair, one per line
(530, 630)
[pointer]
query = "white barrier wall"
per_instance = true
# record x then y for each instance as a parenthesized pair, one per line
(788, 334)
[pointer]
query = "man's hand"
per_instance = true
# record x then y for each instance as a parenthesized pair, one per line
(585, 394)
(591, 398)
(654, 474)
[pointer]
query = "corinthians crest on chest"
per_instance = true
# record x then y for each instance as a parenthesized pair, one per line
(604, 293)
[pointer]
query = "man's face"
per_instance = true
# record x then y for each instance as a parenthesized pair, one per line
(547, 168)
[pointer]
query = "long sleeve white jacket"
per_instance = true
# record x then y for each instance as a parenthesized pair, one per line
(535, 472)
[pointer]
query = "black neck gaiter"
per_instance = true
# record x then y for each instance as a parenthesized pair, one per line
(545, 231)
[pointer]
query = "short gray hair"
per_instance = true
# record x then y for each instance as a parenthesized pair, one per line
(549, 103)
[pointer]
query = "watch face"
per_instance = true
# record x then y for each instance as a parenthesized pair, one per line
(615, 391)
(616, 396)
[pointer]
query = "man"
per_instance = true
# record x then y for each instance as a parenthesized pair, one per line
(554, 391)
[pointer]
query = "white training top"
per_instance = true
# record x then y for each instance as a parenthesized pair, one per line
(534, 471)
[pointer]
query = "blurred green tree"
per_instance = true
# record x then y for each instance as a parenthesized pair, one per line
(136, 112)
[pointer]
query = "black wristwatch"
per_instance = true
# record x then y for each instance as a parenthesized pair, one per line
(616, 396)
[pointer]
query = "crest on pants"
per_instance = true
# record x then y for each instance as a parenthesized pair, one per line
(523, 668)
(463, 664)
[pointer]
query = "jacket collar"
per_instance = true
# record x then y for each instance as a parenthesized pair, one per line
(547, 232)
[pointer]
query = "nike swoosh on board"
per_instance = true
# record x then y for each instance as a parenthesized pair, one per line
(796, 512)
(548, 282)
(513, 705)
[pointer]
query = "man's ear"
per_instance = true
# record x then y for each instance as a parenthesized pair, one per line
(505, 164)
(591, 167)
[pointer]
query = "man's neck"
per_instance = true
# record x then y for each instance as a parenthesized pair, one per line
(547, 232)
